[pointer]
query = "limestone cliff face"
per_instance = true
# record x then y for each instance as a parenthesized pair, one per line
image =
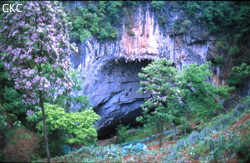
(110, 68)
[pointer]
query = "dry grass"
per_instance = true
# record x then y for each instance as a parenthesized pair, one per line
(21, 145)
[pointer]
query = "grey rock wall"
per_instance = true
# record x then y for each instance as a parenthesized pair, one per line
(110, 68)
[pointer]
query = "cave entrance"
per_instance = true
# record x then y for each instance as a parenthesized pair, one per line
(122, 103)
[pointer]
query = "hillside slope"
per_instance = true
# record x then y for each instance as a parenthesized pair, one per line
(225, 138)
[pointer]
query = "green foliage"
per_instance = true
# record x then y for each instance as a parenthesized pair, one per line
(12, 114)
(174, 93)
(124, 134)
(181, 26)
(218, 60)
(97, 19)
(78, 125)
(220, 16)
(218, 141)
(107, 32)
(233, 50)
(239, 74)
(3, 118)
(159, 8)
(186, 22)
(158, 5)
(212, 13)
(165, 102)
(202, 97)
(101, 19)
(215, 143)
(11, 107)
(162, 20)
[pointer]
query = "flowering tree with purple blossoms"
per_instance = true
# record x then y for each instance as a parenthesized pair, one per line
(165, 104)
(177, 95)
(36, 46)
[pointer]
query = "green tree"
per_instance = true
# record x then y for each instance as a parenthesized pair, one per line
(202, 98)
(174, 93)
(36, 46)
(165, 104)
(77, 127)
(97, 19)
(239, 74)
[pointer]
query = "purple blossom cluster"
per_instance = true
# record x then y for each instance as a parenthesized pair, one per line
(30, 112)
(33, 46)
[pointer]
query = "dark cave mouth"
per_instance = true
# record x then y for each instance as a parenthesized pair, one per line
(111, 131)
(142, 62)
(128, 119)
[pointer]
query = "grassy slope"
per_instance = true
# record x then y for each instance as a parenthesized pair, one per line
(224, 138)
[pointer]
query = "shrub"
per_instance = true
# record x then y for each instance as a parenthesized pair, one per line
(186, 22)
(21, 145)
(218, 60)
(233, 50)
(122, 133)
(202, 97)
(77, 125)
(239, 74)
(158, 5)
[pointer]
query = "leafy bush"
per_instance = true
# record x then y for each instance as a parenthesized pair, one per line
(181, 25)
(202, 97)
(186, 22)
(239, 74)
(122, 133)
(243, 149)
(78, 126)
(233, 50)
(218, 60)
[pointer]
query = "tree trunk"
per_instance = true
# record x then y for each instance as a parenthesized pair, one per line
(174, 131)
(46, 140)
(161, 140)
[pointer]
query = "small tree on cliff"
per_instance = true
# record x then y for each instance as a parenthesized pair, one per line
(201, 97)
(174, 92)
(164, 105)
(36, 47)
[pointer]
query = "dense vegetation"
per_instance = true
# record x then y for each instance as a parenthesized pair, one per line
(176, 94)
(35, 52)
(36, 81)
(100, 19)
(224, 139)
(229, 21)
